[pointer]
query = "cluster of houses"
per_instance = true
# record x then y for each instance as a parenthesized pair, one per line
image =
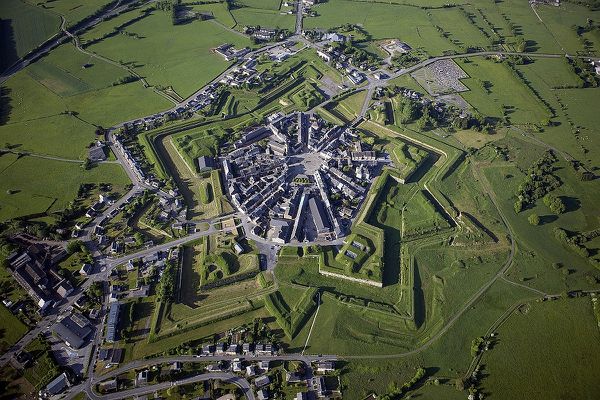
(36, 270)
(230, 53)
(244, 74)
(342, 62)
(135, 165)
(262, 34)
(282, 175)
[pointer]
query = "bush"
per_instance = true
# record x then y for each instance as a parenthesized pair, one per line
(534, 219)
(554, 203)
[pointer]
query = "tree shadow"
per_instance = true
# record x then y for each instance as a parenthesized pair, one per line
(8, 44)
(571, 203)
(547, 219)
(5, 106)
(419, 297)
(531, 46)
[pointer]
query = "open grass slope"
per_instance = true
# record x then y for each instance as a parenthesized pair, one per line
(11, 329)
(546, 350)
(54, 106)
(23, 27)
(184, 60)
(73, 10)
(34, 192)
(494, 88)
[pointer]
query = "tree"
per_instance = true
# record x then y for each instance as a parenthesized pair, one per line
(518, 206)
(74, 246)
(534, 219)
(87, 164)
(554, 203)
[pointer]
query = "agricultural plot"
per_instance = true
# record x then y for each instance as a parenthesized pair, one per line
(382, 21)
(23, 27)
(24, 191)
(263, 4)
(264, 18)
(561, 24)
(497, 92)
(533, 354)
(182, 63)
(545, 258)
(38, 120)
(73, 10)
(458, 28)
(219, 11)
(66, 72)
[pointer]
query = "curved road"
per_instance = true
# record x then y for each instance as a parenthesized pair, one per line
(223, 376)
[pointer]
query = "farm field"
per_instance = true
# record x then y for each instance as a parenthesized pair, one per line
(34, 193)
(23, 28)
(263, 17)
(182, 64)
(533, 354)
(494, 91)
(455, 251)
(382, 21)
(38, 121)
(73, 10)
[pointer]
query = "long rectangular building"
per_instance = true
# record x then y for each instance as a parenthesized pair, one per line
(112, 323)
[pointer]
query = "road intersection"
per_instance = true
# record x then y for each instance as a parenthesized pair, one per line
(105, 264)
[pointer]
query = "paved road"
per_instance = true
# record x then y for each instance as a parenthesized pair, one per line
(145, 390)
(299, 11)
(138, 186)
(59, 39)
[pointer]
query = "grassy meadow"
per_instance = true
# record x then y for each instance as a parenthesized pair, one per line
(184, 62)
(24, 191)
(23, 27)
(546, 350)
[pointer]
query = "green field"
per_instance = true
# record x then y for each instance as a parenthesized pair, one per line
(73, 10)
(11, 329)
(493, 87)
(23, 28)
(264, 4)
(542, 349)
(382, 21)
(263, 17)
(185, 62)
(50, 191)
